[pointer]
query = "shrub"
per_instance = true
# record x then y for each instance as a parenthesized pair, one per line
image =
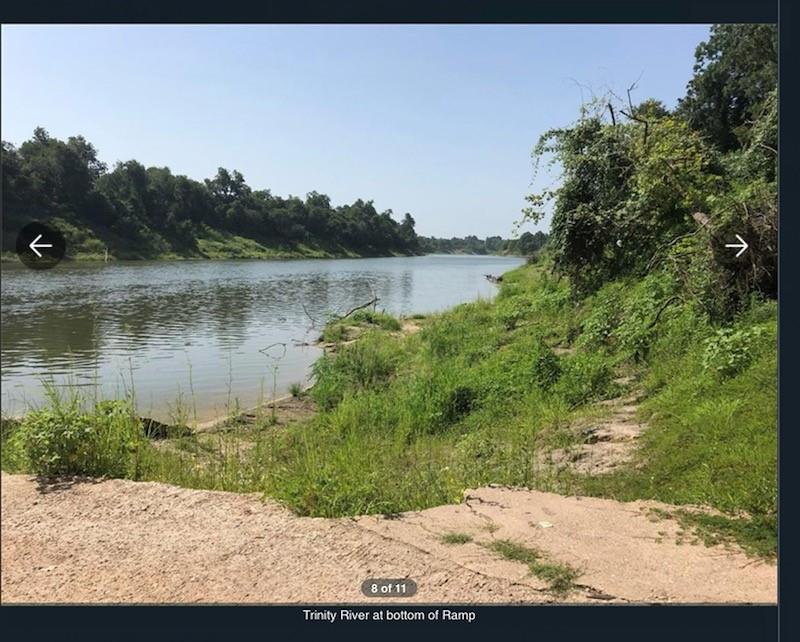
(458, 402)
(731, 350)
(296, 389)
(334, 333)
(603, 319)
(546, 368)
(643, 310)
(512, 311)
(584, 377)
(364, 364)
(64, 439)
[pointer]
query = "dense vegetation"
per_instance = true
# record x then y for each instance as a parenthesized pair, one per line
(527, 244)
(139, 212)
(643, 188)
(636, 281)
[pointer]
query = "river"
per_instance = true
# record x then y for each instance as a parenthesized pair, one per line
(189, 336)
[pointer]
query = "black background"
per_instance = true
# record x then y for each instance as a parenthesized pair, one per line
(590, 623)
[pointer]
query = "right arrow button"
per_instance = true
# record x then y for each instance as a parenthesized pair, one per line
(741, 246)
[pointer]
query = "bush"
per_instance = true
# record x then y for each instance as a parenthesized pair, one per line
(731, 350)
(364, 364)
(584, 377)
(64, 439)
(546, 368)
(603, 319)
(512, 311)
(334, 333)
(381, 319)
(458, 402)
(639, 327)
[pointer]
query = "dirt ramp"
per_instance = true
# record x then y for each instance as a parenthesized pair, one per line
(621, 551)
(121, 541)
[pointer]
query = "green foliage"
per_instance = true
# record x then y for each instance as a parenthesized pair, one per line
(560, 577)
(458, 402)
(340, 329)
(366, 364)
(730, 350)
(527, 244)
(758, 536)
(546, 368)
(335, 332)
(597, 329)
(65, 439)
(456, 538)
(372, 317)
(512, 311)
(641, 186)
(712, 435)
(584, 377)
(296, 389)
(139, 212)
(734, 70)
(643, 306)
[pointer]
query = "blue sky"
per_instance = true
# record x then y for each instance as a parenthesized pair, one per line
(435, 120)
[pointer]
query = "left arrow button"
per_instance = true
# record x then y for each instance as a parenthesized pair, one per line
(40, 246)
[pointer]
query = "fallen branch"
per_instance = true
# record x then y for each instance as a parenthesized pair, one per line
(372, 302)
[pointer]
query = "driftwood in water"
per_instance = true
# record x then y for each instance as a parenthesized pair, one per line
(372, 302)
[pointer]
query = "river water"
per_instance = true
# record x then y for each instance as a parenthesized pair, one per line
(192, 336)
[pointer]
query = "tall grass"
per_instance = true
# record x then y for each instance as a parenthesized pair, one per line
(71, 437)
(480, 395)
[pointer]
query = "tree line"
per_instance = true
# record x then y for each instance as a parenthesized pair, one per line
(139, 211)
(527, 244)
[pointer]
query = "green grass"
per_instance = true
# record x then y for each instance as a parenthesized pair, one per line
(87, 244)
(67, 438)
(757, 536)
(484, 390)
(352, 326)
(456, 538)
(560, 577)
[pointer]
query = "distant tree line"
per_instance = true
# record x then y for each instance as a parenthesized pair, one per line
(148, 211)
(527, 244)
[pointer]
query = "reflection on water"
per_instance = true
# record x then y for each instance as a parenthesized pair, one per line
(195, 328)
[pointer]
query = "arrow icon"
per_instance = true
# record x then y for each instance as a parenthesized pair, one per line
(35, 245)
(742, 244)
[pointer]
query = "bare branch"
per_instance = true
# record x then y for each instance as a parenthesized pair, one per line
(613, 118)
(772, 149)
(308, 314)
(372, 302)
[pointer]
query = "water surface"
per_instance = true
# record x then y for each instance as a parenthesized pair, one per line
(196, 333)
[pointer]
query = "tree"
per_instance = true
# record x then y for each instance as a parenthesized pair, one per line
(735, 69)
(407, 233)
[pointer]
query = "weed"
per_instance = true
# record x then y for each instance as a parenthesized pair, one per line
(559, 577)
(456, 538)
(66, 439)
